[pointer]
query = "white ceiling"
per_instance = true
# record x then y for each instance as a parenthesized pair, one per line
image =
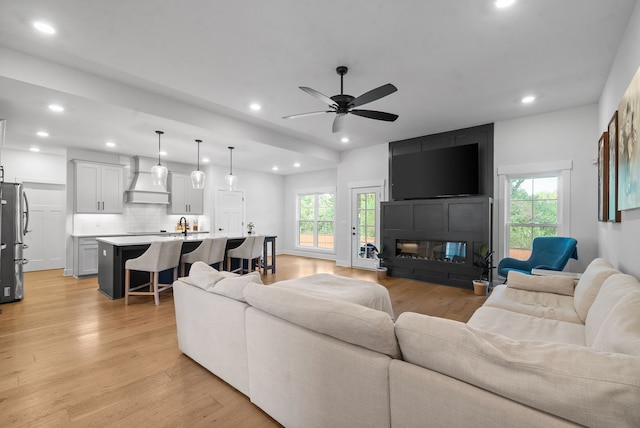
(192, 68)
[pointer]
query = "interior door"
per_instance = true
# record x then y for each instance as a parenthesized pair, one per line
(365, 213)
(229, 213)
(45, 242)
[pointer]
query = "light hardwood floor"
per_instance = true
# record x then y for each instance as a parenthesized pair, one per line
(71, 357)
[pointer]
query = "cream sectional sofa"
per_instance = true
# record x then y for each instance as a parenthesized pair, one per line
(539, 352)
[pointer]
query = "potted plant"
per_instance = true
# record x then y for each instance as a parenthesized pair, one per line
(250, 227)
(483, 260)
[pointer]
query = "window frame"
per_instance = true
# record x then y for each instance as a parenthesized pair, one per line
(316, 220)
(559, 169)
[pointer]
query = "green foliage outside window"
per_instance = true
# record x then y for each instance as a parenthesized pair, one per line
(316, 220)
(533, 210)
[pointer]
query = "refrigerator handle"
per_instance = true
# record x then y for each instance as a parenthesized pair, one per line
(26, 213)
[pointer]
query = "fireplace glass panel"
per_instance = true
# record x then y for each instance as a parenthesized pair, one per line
(443, 251)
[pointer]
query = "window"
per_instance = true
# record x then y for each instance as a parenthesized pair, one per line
(316, 220)
(533, 210)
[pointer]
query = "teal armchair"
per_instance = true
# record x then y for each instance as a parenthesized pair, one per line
(551, 253)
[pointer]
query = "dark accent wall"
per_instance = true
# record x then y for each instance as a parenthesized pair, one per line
(483, 135)
(455, 219)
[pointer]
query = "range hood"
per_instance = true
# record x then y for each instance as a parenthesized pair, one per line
(142, 190)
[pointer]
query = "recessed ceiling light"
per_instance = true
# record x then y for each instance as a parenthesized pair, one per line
(205, 160)
(297, 164)
(163, 153)
(34, 149)
(110, 144)
(255, 107)
(57, 108)
(42, 134)
(275, 168)
(528, 99)
(43, 27)
(345, 139)
(503, 3)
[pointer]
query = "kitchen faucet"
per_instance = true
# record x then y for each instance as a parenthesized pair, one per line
(184, 228)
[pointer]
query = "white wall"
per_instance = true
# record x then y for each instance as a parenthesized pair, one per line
(294, 184)
(358, 166)
(565, 135)
(21, 166)
(619, 241)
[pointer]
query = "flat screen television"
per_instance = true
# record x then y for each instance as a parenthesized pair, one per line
(451, 171)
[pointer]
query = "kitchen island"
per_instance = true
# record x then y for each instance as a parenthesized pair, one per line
(114, 251)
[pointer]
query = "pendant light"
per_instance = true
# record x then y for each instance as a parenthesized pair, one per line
(159, 172)
(197, 176)
(231, 179)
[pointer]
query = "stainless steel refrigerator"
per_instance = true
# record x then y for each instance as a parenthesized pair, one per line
(14, 217)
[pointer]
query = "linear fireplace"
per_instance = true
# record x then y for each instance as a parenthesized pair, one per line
(441, 251)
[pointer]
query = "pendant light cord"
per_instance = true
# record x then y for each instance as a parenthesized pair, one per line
(198, 141)
(231, 160)
(159, 134)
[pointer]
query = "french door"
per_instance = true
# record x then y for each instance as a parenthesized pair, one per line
(365, 213)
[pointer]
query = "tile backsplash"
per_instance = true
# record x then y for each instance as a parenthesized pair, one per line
(135, 218)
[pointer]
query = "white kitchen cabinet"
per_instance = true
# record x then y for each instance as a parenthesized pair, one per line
(86, 257)
(99, 188)
(184, 198)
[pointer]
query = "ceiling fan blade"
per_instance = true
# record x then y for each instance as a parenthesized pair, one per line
(312, 113)
(338, 122)
(372, 95)
(378, 115)
(318, 95)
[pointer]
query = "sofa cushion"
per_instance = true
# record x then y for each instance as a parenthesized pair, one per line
(365, 293)
(535, 303)
(526, 327)
(589, 285)
(346, 321)
(613, 323)
(574, 382)
(548, 283)
(233, 287)
(203, 276)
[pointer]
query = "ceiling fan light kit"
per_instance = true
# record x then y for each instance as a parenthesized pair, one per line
(343, 104)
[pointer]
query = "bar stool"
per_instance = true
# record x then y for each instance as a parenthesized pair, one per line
(200, 254)
(216, 254)
(256, 253)
(242, 252)
(160, 256)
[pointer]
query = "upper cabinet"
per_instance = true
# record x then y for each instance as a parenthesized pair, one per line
(99, 188)
(184, 198)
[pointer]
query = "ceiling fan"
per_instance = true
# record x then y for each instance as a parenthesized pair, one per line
(344, 104)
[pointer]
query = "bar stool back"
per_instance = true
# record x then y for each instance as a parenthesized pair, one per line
(200, 254)
(256, 252)
(242, 252)
(160, 256)
(216, 255)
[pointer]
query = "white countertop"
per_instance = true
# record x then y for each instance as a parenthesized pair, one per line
(123, 241)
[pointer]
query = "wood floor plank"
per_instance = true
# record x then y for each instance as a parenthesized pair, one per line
(69, 356)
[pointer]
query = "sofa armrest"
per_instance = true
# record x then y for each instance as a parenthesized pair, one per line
(574, 382)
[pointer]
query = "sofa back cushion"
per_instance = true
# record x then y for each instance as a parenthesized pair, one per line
(613, 322)
(574, 382)
(589, 285)
(346, 321)
(220, 282)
